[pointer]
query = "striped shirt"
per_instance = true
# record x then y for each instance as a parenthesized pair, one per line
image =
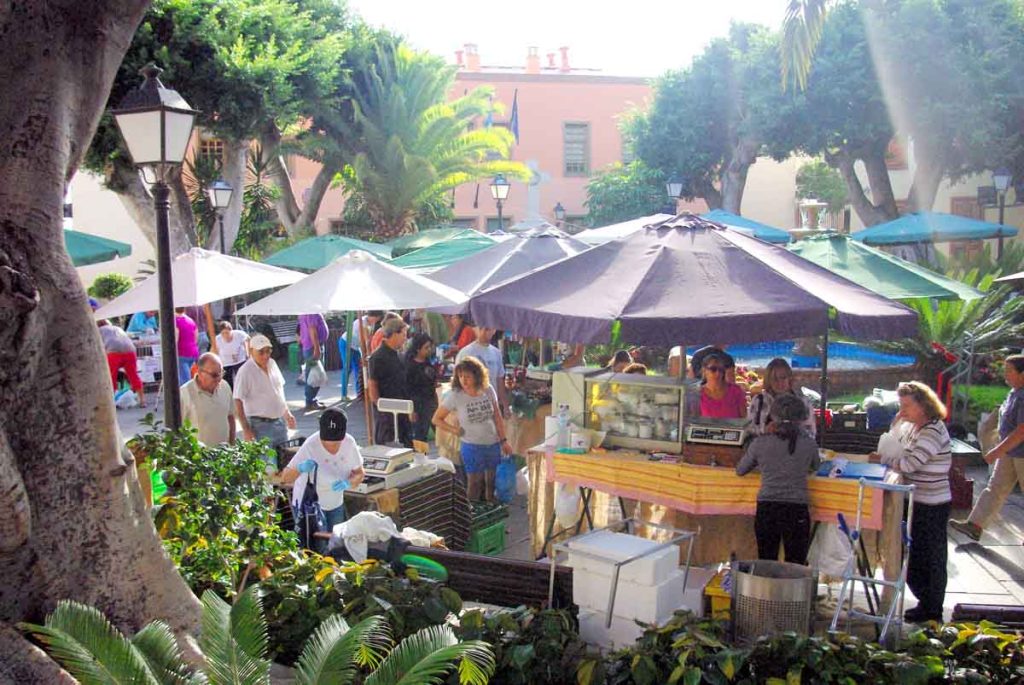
(925, 461)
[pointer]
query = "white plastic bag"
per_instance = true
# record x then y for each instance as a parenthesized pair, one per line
(567, 505)
(890, 448)
(127, 400)
(317, 376)
(523, 481)
(830, 550)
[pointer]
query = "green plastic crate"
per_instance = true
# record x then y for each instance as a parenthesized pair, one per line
(489, 541)
(293, 357)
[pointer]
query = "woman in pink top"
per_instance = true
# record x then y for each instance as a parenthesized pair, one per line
(188, 344)
(719, 399)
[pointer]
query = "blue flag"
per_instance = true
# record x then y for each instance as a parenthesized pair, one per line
(513, 121)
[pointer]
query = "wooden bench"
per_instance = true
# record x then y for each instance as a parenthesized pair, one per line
(285, 331)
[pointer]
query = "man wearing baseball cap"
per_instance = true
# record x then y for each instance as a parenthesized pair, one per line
(259, 397)
(333, 456)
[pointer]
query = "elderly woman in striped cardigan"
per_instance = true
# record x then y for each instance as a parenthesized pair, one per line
(924, 462)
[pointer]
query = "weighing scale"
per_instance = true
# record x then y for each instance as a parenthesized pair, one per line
(724, 432)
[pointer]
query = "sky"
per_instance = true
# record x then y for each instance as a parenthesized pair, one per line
(634, 38)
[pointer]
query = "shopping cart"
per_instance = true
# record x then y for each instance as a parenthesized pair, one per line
(858, 571)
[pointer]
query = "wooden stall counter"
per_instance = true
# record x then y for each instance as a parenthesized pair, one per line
(689, 496)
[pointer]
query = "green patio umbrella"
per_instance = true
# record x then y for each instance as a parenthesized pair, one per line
(86, 248)
(417, 241)
(313, 254)
(883, 273)
(441, 254)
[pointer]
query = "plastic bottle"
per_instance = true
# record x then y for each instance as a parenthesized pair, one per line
(563, 426)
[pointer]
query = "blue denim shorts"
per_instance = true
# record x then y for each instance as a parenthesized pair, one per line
(480, 458)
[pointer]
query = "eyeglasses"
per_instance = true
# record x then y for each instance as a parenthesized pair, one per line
(219, 374)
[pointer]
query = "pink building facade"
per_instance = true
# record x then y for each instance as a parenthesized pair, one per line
(568, 130)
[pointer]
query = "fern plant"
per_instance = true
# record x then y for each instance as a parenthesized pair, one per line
(234, 642)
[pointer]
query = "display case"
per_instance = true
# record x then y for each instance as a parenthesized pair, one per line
(637, 412)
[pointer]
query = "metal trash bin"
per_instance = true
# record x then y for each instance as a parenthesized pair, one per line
(770, 597)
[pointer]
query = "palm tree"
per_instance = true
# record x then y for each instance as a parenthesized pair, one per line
(234, 642)
(414, 144)
(801, 31)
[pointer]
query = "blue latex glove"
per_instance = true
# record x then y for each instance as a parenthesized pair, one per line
(307, 466)
(339, 485)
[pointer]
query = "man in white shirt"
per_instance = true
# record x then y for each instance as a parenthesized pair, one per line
(206, 402)
(489, 356)
(259, 397)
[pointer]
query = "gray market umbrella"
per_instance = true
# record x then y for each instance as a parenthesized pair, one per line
(509, 259)
(688, 279)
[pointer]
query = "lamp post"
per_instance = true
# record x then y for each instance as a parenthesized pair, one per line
(1001, 180)
(220, 197)
(156, 125)
(499, 191)
(559, 214)
(674, 188)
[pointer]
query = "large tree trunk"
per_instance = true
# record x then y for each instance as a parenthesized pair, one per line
(927, 177)
(73, 523)
(734, 178)
(293, 217)
(870, 213)
(711, 195)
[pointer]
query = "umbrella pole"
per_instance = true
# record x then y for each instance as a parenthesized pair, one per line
(350, 319)
(366, 381)
(824, 388)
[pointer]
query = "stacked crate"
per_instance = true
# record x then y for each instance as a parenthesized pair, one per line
(487, 529)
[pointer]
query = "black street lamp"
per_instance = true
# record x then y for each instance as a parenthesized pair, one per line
(559, 213)
(156, 125)
(674, 189)
(220, 197)
(1001, 180)
(499, 191)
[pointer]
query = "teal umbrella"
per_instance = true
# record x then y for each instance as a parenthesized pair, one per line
(442, 254)
(879, 271)
(417, 241)
(313, 254)
(931, 227)
(767, 233)
(86, 248)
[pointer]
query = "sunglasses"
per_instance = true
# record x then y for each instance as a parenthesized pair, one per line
(714, 369)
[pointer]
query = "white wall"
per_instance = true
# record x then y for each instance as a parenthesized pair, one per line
(100, 212)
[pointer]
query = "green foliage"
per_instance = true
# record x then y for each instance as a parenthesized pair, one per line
(109, 286)
(723, 111)
(624, 192)
(983, 262)
(199, 173)
(530, 646)
(233, 641)
(816, 180)
(414, 144)
(218, 521)
(258, 227)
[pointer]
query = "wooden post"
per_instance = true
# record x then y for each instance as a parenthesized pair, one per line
(366, 378)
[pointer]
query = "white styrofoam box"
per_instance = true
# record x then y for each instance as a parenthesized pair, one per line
(624, 632)
(642, 602)
(613, 547)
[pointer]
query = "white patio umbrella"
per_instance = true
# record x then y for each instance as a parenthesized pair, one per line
(200, 277)
(357, 281)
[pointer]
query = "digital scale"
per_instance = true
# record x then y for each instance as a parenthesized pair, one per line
(389, 467)
(717, 434)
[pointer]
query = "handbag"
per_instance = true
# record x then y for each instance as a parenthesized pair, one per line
(310, 518)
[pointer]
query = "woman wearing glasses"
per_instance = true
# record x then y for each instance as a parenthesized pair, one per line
(778, 381)
(718, 398)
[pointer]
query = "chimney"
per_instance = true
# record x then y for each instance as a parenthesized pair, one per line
(458, 59)
(472, 57)
(565, 59)
(551, 60)
(532, 60)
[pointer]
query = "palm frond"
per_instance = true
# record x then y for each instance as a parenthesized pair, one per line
(801, 31)
(158, 646)
(426, 656)
(332, 654)
(228, 662)
(89, 647)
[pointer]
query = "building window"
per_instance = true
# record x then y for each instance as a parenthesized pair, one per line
(896, 155)
(492, 223)
(211, 149)
(576, 148)
(965, 206)
(466, 222)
